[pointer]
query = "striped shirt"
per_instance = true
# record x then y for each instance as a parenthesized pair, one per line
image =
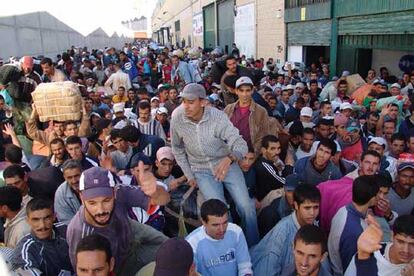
(152, 127)
(201, 146)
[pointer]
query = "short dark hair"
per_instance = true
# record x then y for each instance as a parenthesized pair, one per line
(329, 144)
(325, 122)
(231, 81)
(398, 136)
(374, 114)
(364, 188)
(13, 154)
(13, 171)
(130, 133)
(11, 197)
(342, 82)
(38, 203)
(144, 105)
(213, 207)
(71, 140)
(229, 58)
(311, 234)
(269, 139)
(308, 130)
(323, 103)
(47, 61)
(404, 225)
(313, 82)
(57, 141)
(306, 192)
(372, 153)
(95, 242)
(69, 122)
(115, 133)
(121, 88)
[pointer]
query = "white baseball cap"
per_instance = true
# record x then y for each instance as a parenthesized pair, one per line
(243, 81)
(306, 111)
(345, 105)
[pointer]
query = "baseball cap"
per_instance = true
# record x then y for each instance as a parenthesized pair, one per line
(216, 85)
(243, 81)
(140, 157)
(352, 125)
(405, 165)
(162, 110)
(396, 85)
(96, 182)
(165, 153)
(289, 87)
(345, 105)
(193, 91)
(306, 111)
(155, 99)
(299, 85)
(174, 257)
(340, 119)
(119, 107)
(292, 182)
(378, 140)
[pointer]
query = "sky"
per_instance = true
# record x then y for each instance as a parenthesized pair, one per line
(85, 15)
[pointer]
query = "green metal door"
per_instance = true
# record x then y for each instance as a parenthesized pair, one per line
(225, 24)
(209, 18)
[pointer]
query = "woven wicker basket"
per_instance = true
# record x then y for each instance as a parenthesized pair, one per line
(58, 101)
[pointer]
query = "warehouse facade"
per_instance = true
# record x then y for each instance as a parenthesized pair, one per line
(353, 35)
(256, 26)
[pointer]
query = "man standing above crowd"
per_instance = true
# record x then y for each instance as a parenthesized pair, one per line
(247, 116)
(207, 147)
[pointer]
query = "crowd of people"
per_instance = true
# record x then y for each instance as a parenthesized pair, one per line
(276, 170)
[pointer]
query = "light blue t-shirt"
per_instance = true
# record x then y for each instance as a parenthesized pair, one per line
(229, 256)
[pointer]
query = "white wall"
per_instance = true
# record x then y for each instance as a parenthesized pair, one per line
(389, 59)
(245, 30)
(295, 53)
(40, 33)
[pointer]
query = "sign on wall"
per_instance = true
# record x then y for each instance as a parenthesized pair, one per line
(244, 30)
(198, 27)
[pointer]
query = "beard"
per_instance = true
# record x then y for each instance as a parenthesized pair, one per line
(94, 217)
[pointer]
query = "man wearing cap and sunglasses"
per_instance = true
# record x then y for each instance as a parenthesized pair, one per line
(104, 211)
(207, 147)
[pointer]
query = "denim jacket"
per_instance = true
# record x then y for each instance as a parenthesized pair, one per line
(275, 250)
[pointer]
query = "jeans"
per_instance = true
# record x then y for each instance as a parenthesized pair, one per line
(236, 186)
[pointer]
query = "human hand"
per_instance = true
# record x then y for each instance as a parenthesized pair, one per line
(106, 162)
(9, 130)
(384, 206)
(222, 168)
(370, 240)
(174, 184)
(146, 180)
(192, 183)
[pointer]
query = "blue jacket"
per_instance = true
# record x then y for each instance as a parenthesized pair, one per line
(149, 144)
(48, 257)
(308, 175)
(346, 227)
(275, 250)
(282, 109)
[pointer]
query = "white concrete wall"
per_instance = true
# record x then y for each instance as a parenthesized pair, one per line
(40, 33)
(389, 59)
